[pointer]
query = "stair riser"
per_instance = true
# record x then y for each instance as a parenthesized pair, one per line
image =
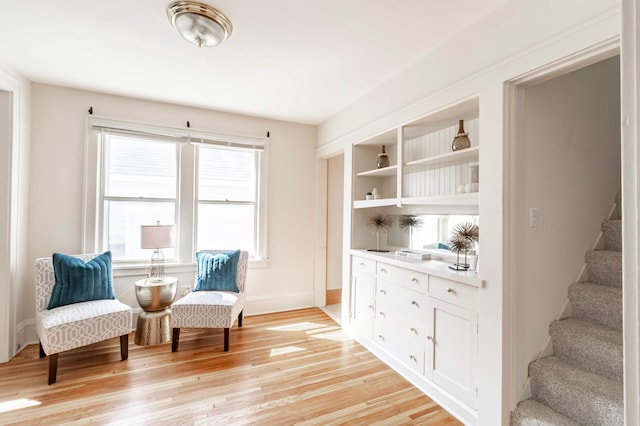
(598, 307)
(612, 232)
(532, 413)
(587, 351)
(577, 402)
(605, 269)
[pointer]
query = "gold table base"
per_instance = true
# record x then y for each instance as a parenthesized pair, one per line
(155, 298)
(153, 328)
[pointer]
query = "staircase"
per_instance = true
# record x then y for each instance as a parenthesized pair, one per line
(581, 383)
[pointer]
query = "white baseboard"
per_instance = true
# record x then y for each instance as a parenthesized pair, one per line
(278, 303)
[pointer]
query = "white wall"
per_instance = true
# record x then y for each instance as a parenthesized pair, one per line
(335, 183)
(568, 166)
(519, 30)
(57, 161)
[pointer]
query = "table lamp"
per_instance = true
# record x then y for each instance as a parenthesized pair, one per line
(157, 237)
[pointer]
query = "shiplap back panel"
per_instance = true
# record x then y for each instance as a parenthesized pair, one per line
(441, 180)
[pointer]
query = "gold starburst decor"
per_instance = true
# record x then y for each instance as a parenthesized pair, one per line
(463, 239)
(407, 222)
(379, 221)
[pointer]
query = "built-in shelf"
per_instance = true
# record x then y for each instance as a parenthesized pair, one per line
(382, 202)
(467, 199)
(385, 171)
(457, 157)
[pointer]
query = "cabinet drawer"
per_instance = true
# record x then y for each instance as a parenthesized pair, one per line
(452, 291)
(405, 277)
(360, 264)
(383, 327)
(409, 301)
(401, 335)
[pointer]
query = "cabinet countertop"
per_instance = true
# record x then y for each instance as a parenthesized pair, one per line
(435, 267)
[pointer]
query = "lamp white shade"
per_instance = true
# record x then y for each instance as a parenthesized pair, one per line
(157, 236)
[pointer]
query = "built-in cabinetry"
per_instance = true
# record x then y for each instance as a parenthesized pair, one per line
(418, 316)
(421, 318)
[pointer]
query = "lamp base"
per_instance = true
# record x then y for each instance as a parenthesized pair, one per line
(156, 267)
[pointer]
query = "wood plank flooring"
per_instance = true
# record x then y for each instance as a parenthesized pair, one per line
(290, 368)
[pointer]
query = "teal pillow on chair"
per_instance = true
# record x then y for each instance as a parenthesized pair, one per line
(217, 271)
(80, 281)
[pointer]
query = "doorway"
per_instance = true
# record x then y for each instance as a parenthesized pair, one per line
(563, 177)
(335, 204)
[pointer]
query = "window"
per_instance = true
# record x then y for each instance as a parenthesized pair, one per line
(227, 198)
(140, 188)
(211, 189)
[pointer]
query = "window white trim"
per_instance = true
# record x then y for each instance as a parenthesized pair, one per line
(187, 196)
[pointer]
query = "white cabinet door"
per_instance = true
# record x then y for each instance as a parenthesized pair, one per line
(362, 297)
(451, 354)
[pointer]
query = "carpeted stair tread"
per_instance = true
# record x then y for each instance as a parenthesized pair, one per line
(612, 231)
(604, 267)
(531, 413)
(590, 346)
(596, 303)
(587, 398)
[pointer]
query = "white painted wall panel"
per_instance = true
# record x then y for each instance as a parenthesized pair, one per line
(445, 178)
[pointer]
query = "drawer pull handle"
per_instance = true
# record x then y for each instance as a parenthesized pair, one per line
(413, 358)
(414, 280)
(381, 337)
(362, 265)
(383, 291)
(414, 331)
(370, 306)
(382, 314)
(450, 290)
(430, 338)
(383, 270)
(414, 303)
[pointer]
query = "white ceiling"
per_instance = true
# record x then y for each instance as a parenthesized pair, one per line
(293, 60)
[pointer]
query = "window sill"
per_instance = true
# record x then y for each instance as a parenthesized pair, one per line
(137, 269)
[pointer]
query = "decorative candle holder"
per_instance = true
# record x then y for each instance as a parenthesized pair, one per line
(461, 141)
(383, 159)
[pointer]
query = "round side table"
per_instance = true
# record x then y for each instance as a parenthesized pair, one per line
(155, 298)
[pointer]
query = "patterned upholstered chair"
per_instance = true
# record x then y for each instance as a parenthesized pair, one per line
(78, 324)
(211, 309)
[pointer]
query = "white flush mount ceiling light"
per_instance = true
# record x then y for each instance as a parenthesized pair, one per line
(199, 23)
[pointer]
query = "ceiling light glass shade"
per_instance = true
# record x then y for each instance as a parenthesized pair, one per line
(199, 23)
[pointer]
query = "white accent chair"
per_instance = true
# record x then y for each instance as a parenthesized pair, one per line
(79, 324)
(211, 309)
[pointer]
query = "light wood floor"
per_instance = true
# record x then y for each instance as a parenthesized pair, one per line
(292, 368)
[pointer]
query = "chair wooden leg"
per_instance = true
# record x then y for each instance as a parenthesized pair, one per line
(226, 339)
(175, 339)
(42, 354)
(240, 319)
(124, 347)
(53, 368)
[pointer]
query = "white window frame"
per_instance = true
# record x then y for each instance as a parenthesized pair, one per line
(187, 197)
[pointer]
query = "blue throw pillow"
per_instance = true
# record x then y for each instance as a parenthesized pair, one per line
(217, 271)
(80, 281)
